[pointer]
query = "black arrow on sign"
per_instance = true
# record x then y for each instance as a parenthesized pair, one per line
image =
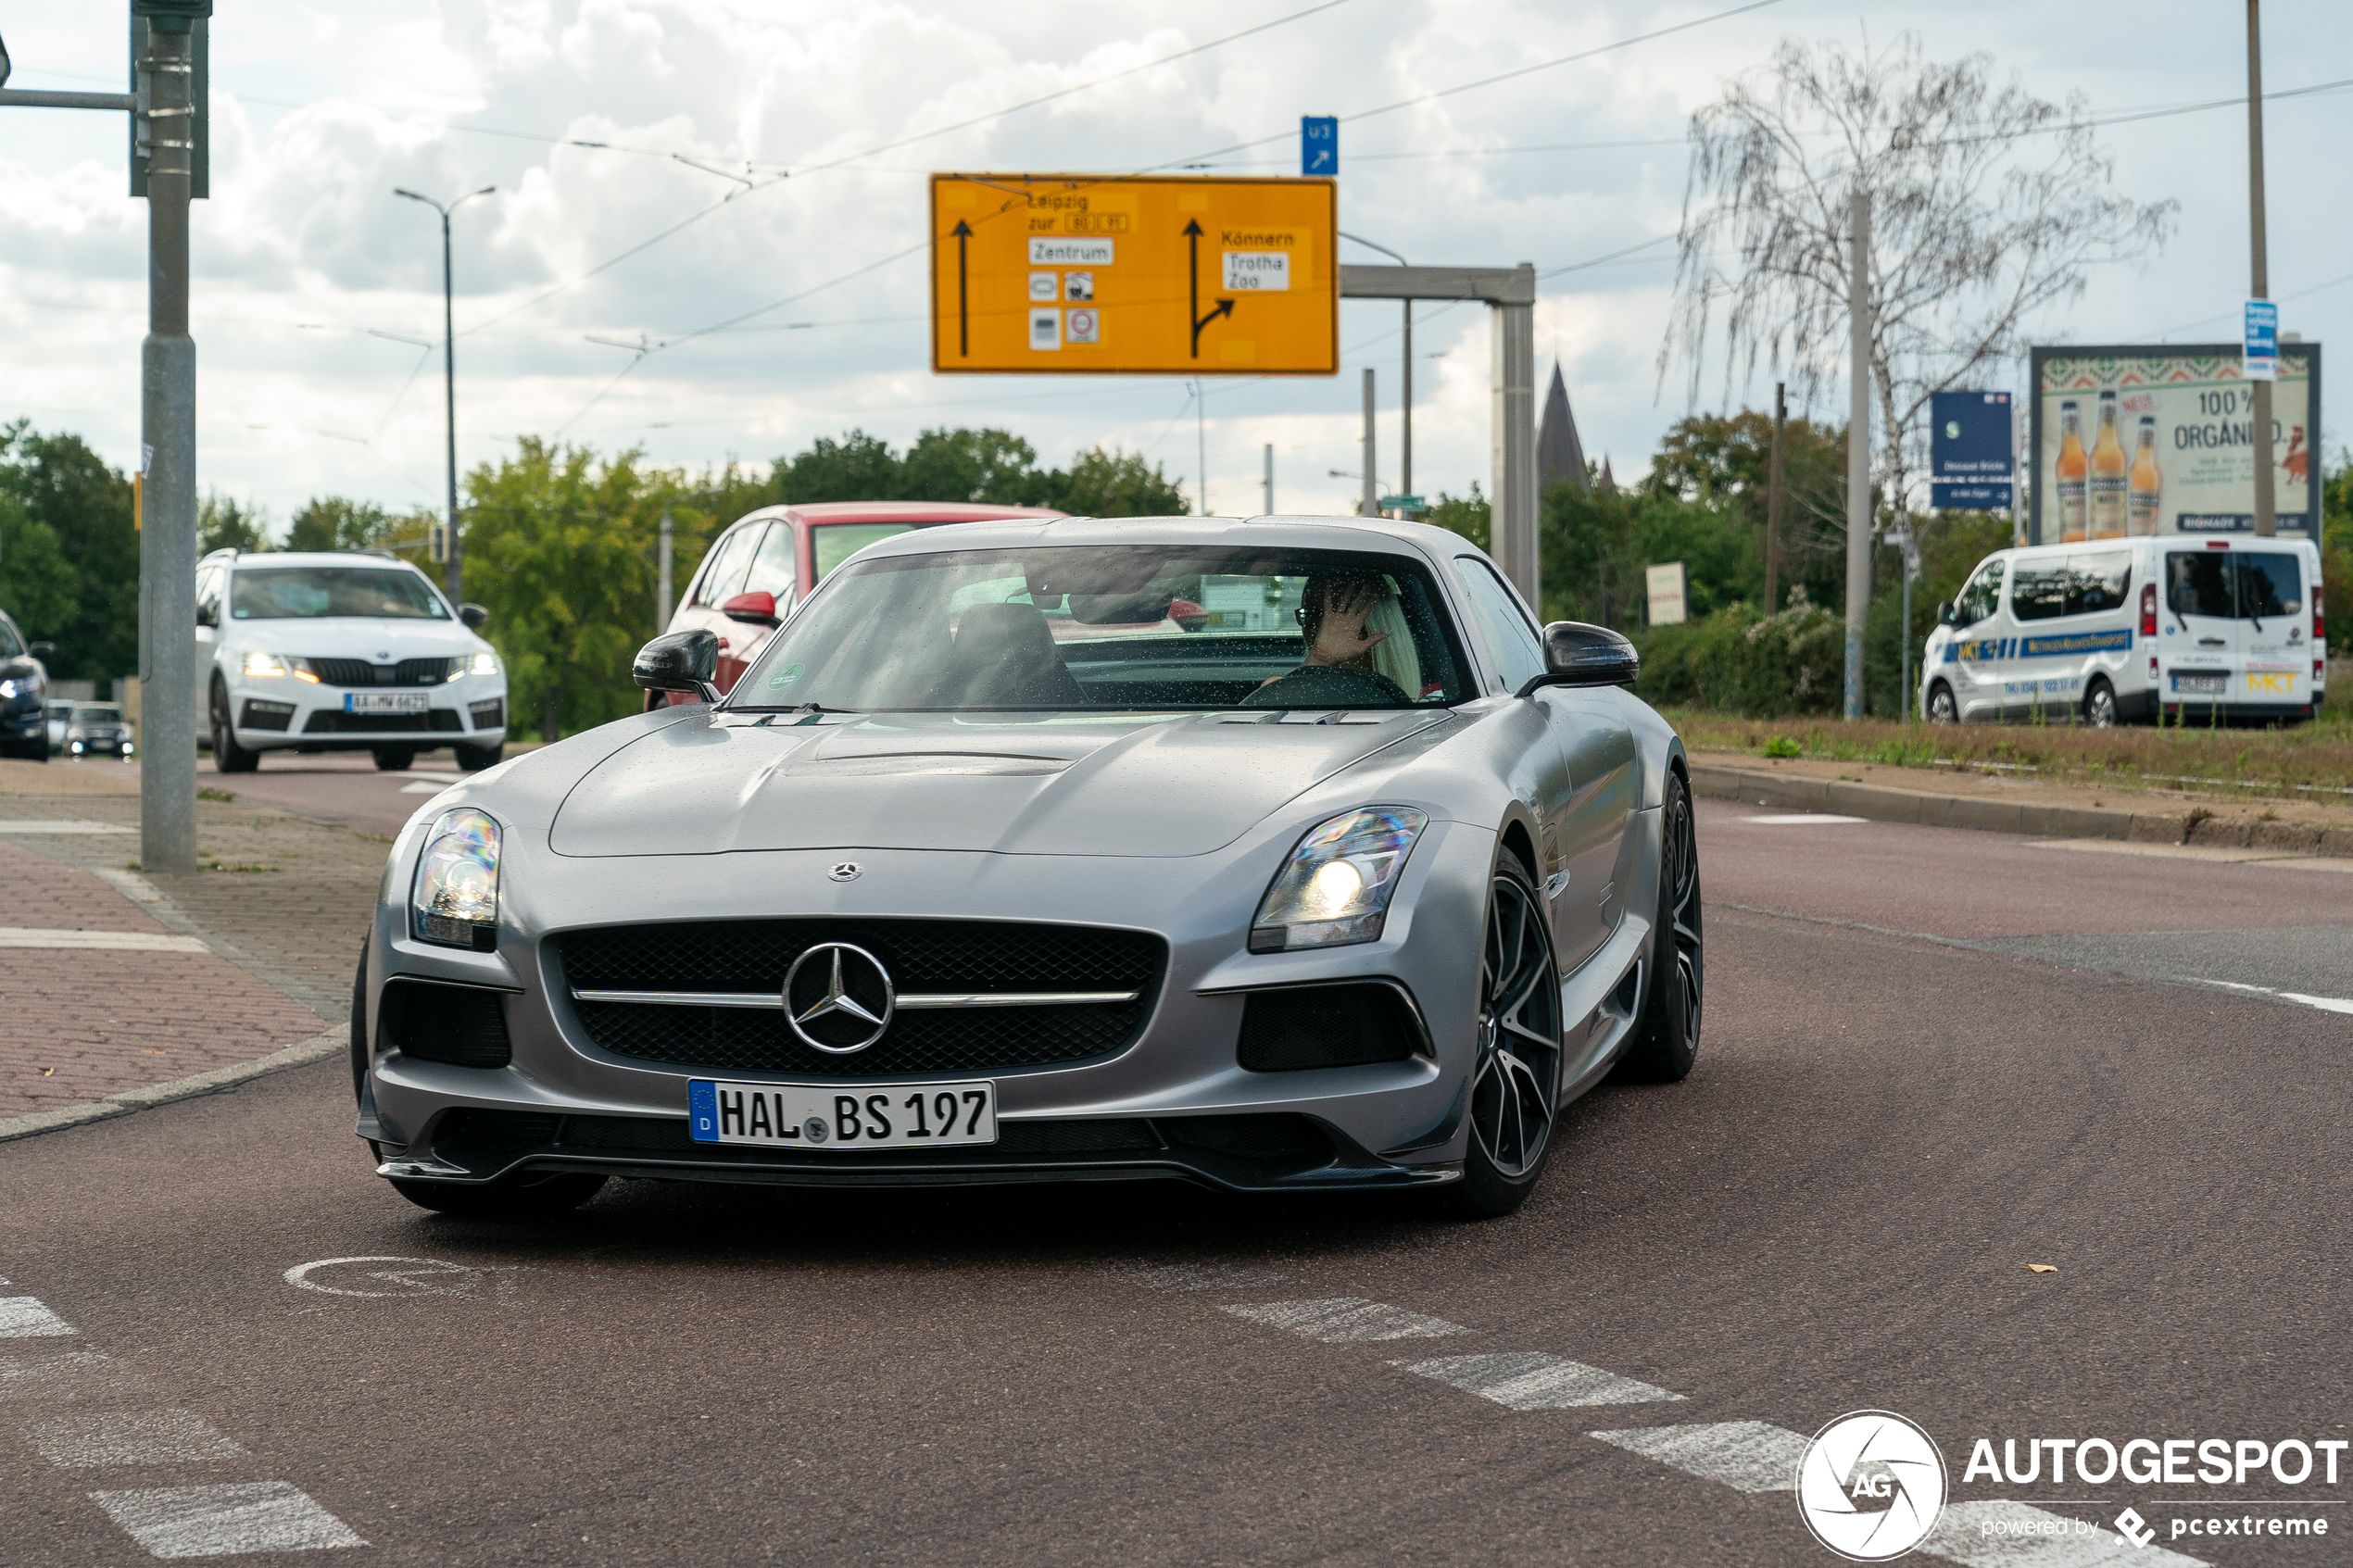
(963, 233)
(1193, 295)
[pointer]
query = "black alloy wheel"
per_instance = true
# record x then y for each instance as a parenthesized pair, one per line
(228, 756)
(1515, 1072)
(474, 759)
(2099, 706)
(1941, 709)
(1666, 1036)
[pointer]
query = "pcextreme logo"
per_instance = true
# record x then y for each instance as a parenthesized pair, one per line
(1871, 1485)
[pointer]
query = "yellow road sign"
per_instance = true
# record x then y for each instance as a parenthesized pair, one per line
(1101, 275)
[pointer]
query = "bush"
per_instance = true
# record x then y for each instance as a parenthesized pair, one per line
(1737, 661)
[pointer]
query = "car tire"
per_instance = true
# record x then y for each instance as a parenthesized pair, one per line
(1666, 1039)
(2099, 706)
(228, 756)
(539, 1199)
(394, 759)
(1941, 709)
(1515, 1091)
(474, 759)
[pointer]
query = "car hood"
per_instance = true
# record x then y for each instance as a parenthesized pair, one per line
(356, 636)
(1054, 784)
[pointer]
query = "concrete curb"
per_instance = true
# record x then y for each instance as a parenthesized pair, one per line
(1780, 792)
(317, 1049)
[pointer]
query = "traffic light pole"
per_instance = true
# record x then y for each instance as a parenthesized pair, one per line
(166, 137)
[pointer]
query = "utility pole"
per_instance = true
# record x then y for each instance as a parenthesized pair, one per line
(1370, 504)
(1406, 411)
(2267, 522)
(1859, 447)
(1773, 504)
(662, 558)
(1269, 509)
(454, 570)
(1200, 443)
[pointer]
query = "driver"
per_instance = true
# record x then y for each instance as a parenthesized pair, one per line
(1340, 662)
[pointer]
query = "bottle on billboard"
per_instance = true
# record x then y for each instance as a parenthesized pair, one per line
(2147, 493)
(2071, 467)
(2109, 481)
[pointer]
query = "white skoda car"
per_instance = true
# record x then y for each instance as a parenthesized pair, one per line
(341, 652)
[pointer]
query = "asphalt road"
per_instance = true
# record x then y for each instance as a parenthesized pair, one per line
(1932, 1058)
(342, 787)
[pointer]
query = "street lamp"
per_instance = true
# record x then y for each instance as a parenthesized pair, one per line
(454, 572)
(1405, 408)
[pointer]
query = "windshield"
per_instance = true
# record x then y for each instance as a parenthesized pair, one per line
(1116, 627)
(292, 593)
(98, 715)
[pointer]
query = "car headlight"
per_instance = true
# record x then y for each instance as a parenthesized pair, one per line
(8, 690)
(1336, 886)
(483, 664)
(456, 901)
(259, 665)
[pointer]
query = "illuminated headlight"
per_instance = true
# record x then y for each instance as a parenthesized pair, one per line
(259, 665)
(456, 902)
(1336, 886)
(483, 664)
(8, 689)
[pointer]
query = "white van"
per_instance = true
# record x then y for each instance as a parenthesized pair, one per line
(2110, 631)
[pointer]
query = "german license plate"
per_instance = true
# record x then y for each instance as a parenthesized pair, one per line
(2202, 686)
(383, 702)
(831, 1117)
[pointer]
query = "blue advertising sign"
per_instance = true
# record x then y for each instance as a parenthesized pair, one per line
(1969, 494)
(2262, 361)
(1970, 436)
(1319, 144)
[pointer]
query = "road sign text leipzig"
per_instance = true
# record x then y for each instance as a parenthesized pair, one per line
(1093, 275)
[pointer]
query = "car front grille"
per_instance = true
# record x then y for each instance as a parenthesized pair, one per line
(922, 956)
(360, 674)
(1264, 1136)
(329, 721)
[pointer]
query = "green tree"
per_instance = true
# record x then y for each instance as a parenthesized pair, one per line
(1108, 482)
(857, 467)
(60, 483)
(987, 465)
(222, 524)
(337, 522)
(2336, 550)
(560, 547)
(1469, 516)
(994, 466)
(36, 582)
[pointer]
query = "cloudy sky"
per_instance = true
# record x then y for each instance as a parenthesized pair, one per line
(313, 279)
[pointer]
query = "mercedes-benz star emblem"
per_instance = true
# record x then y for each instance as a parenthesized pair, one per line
(838, 998)
(846, 871)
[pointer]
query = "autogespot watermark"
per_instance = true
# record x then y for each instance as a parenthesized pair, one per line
(1872, 1485)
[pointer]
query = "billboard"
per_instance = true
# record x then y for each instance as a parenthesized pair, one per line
(1106, 275)
(2146, 439)
(1969, 446)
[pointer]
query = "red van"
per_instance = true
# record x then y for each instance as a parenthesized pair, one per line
(769, 560)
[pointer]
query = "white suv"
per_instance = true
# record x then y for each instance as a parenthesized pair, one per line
(341, 653)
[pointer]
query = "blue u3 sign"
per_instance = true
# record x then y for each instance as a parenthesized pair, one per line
(1319, 144)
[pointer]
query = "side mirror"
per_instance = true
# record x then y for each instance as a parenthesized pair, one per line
(1945, 614)
(208, 616)
(1579, 655)
(44, 652)
(680, 662)
(474, 616)
(755, 609)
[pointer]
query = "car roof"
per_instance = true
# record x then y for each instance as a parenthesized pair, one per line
(920, 513)
(313, 558)
(1301, 531)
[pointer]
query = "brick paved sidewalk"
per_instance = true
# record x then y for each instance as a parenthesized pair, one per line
(166, 977)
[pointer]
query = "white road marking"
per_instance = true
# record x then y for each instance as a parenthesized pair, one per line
(216, 1521)
(76, 1375)
(1193, 1276)
(23, 1317)
(412, 1276)
(2008, 1534)
(112, 941)
(1748, 1456)
(1534, 1380)
(1344, 1320)
(2326, 1003)
(134, 1438)
(57, 824)
(1802, 819)
(424, 788)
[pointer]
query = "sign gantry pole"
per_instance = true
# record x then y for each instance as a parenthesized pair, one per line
(2266, 505)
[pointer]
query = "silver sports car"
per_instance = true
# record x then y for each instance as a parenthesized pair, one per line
(1281, 854)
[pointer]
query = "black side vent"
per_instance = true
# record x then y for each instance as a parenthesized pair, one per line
(463, 1026)
(1325, 1026)
(495, 1130)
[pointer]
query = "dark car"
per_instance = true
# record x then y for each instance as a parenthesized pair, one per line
(24, 689)
(98, 729)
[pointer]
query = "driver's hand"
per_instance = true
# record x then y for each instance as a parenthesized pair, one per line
(1340, 636)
